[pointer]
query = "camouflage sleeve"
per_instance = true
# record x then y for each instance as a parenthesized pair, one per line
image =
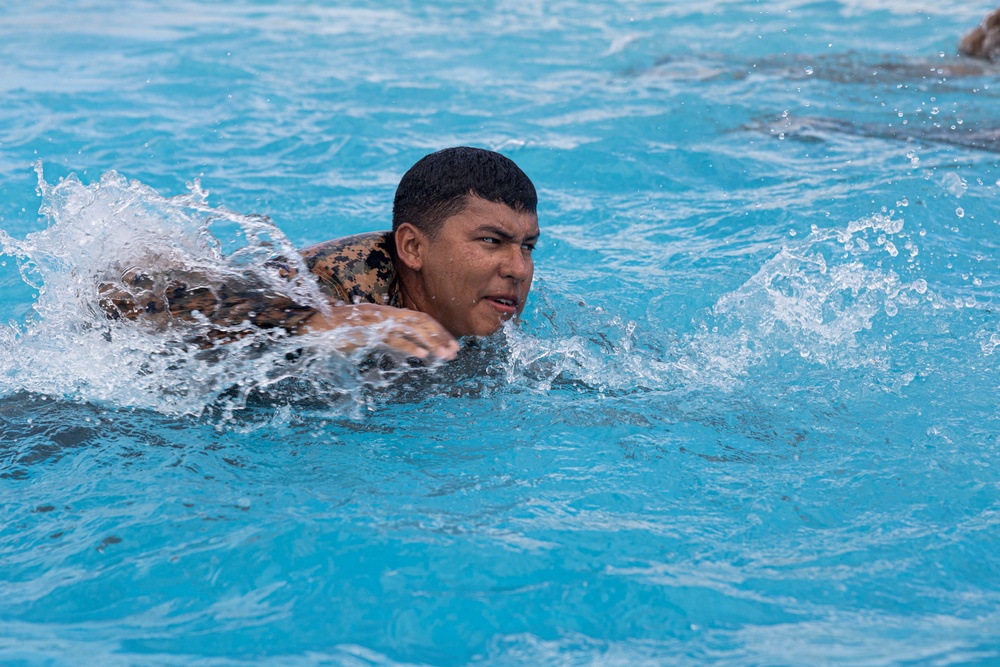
(230, 307)
(356, 269)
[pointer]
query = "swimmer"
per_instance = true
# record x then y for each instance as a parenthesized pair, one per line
(457, 262)
(983, 41)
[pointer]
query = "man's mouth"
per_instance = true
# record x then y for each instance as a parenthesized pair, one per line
(505, 305)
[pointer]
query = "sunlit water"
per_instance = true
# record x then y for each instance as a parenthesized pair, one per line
(750, 417)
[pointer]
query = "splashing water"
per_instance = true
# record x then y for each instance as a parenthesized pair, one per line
(816, 301)
(69, 348)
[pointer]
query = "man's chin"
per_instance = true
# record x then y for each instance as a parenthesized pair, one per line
(481, 321)
(484, 329)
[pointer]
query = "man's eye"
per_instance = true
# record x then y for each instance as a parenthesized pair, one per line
(528, 246)
(490, 239)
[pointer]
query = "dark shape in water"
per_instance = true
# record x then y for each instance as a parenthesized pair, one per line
(850, 68)
(821, 129)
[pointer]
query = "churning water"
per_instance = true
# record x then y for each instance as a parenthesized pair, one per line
(750, 417)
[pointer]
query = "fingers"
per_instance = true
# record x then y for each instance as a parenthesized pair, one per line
(427, 334)
(401, 347)
(421, 341)
(366, 326)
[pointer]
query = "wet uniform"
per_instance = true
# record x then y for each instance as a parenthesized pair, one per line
(356, 269)
(351, 270)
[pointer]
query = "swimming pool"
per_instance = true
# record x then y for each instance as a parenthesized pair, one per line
(750, 417)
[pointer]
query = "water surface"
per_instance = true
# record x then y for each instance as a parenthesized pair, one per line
(749, 418)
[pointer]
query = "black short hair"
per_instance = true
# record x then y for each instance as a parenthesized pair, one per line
(437, 187)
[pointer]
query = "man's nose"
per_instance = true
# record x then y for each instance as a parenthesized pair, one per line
(517, 264)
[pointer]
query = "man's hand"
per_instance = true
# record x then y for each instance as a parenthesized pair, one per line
(369, 326)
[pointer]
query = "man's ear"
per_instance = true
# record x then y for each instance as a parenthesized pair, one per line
(411, 244)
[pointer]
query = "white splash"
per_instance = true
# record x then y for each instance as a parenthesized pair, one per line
(68, 348)
(814, 300)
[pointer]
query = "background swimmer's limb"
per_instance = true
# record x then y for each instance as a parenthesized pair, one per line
(409, 332)
(983, 41)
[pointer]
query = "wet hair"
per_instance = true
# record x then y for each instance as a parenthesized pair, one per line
(438, 186)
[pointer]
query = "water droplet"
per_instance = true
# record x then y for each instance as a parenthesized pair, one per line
(809, 71)
(960, 212)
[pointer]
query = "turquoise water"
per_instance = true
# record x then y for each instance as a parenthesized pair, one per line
(750, 417)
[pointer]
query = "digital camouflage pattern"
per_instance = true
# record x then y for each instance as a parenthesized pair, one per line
(351, 270)
(356, 269)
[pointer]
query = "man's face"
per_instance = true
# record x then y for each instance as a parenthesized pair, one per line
(477, 269)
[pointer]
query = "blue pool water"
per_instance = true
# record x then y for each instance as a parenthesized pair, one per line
(750, 417)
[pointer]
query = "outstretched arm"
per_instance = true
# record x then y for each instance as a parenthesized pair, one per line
(233, 309)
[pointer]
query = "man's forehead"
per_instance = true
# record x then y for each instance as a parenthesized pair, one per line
(480, 212)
